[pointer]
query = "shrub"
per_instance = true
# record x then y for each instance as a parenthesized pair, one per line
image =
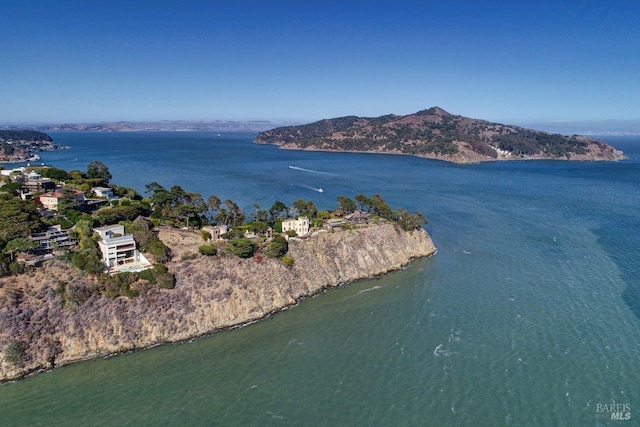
(278, 247)
(287, 261)
(13, 352)
(242, 247)
(207, 250)
(16, 267)
(189, 255)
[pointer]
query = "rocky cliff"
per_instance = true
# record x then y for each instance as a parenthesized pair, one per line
(44, 321)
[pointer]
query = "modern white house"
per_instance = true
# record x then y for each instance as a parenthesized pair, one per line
(217, 231)
(119, 250)
(300, 225)
(104, 192)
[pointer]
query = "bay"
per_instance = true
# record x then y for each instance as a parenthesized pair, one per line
(528, 314)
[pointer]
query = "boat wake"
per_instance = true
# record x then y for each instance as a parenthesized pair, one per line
(311, 171)
(308, 187)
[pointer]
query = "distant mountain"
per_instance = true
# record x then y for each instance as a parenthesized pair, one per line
(164, 125)
(437, 134)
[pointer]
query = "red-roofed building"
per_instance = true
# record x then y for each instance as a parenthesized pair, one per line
(52, 199)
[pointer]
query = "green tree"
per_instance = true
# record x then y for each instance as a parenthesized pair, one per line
(277, 211)
(364, 202)
(54, 173)
(213, 207)
(20, 244)
(304, 208)
(278, 247)
(381, 207)
(346, 204)
(97, 169)
(242, 247)
(18, 218)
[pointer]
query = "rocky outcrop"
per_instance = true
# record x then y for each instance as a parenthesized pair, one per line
(44, 320)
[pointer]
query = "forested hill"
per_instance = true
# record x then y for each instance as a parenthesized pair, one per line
(435, 133)
(24, 135)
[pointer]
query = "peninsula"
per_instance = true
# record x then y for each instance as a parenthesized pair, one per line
(437, 134)
(91, 269)
(210, 294)
(23, 145)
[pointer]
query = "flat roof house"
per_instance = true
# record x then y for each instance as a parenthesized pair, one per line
(299, 225)
(216, 231)
(104, 192)
(119, 250)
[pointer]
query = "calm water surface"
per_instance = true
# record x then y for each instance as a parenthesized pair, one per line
(528, 315)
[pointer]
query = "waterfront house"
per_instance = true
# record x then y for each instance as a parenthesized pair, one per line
(300, 225)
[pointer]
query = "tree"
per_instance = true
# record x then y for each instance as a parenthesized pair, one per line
(97, 169)
(304, 208)
(346, 204)
(364, 202)
(230, 214)
(277, 211)
(381, 207)
(18, 218)
(242, 247)
(213, 207)
(408, 221)
(54, 173)
(278, 247)
(20, 244)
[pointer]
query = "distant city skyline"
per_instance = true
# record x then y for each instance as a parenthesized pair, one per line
(516, 62)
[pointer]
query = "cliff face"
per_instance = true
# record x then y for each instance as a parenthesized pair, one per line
(41, 327)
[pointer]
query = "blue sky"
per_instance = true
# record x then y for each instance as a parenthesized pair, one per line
(509, 61)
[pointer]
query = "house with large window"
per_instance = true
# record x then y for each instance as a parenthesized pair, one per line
(119, 250)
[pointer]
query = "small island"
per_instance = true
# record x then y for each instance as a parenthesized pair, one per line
(93, 269)
(437, 134)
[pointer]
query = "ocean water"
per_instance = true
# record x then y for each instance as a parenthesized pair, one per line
(529, 314)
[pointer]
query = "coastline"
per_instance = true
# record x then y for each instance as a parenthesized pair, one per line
(211, 295)
(460, 159)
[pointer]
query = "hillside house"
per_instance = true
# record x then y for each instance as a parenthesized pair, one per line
(216, 231)
(104, 192)
(35, 183)
(55, 237)
(52, 199)
(300, 225)
(358, 217)
(119, 250)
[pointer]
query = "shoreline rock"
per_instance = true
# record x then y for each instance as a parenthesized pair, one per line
(211, 294)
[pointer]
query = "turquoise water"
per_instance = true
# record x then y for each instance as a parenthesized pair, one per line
(528, 315)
